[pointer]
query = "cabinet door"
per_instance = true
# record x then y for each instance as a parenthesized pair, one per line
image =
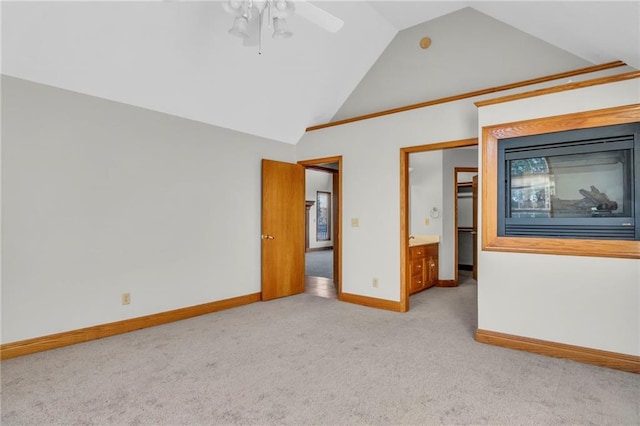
(431, 271)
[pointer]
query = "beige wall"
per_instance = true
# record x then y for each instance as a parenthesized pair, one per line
(101, 198)
(583, 301)
(577, 310)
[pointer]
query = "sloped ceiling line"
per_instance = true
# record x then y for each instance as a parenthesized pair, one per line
(176, 57)
(573, 73)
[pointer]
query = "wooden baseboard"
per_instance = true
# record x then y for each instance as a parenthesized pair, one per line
(39, 344)
(447, 283)
(630, 363)
(371, 302)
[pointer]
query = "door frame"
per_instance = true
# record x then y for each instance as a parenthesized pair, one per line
(404, 207)
(316, 164)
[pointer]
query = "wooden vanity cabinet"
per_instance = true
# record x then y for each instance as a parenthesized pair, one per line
(423, 267)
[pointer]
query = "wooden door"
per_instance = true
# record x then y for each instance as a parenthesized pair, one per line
(474, 231)
(283, 213)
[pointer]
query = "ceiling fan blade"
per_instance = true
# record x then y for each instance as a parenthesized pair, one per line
(318, 16)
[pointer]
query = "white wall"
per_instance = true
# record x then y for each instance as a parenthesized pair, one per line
(317, 181)
(583, 301)
(371, 185)
(405, 74)
(519, 294)
(101, 198)
(465, 210)
(371, 180)
(425, 192)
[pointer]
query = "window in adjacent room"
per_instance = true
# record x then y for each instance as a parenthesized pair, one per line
(323, 216)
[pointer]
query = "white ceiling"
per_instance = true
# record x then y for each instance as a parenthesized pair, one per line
(176, 57)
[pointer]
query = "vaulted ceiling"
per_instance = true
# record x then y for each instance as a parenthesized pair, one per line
(177, 57)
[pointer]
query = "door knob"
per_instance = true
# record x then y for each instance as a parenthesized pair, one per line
(268, 237)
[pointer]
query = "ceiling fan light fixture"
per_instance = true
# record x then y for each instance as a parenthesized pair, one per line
(239, 28)
(233, 7)
(283, 9)
(260, 5)
(280, 28)
(250, 15)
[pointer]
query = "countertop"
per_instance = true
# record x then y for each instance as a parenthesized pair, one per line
(419, 240)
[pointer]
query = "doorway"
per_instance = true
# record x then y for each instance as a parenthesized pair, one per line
(447, 241)
(466, 222)
(323, 227)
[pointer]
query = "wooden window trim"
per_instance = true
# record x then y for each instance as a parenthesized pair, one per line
(574, 247)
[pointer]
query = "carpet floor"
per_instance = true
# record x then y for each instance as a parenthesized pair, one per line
(306, 360)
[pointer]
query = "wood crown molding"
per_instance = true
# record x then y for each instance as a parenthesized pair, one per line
(516, 85)
(440, 145)
(558, 246)
(560, 88)
(630, 363)
(53, 341)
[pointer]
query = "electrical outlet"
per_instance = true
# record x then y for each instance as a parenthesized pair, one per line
(355, 222)
(126, 298)
(375, 282)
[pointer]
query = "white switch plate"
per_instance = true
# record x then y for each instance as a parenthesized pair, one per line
(355, 222)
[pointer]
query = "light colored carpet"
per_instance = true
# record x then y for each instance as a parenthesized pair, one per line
(308, 360)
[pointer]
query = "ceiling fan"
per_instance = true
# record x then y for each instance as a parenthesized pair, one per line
(252, 15)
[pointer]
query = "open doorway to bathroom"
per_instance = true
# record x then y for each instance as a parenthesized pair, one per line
(428, 207)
